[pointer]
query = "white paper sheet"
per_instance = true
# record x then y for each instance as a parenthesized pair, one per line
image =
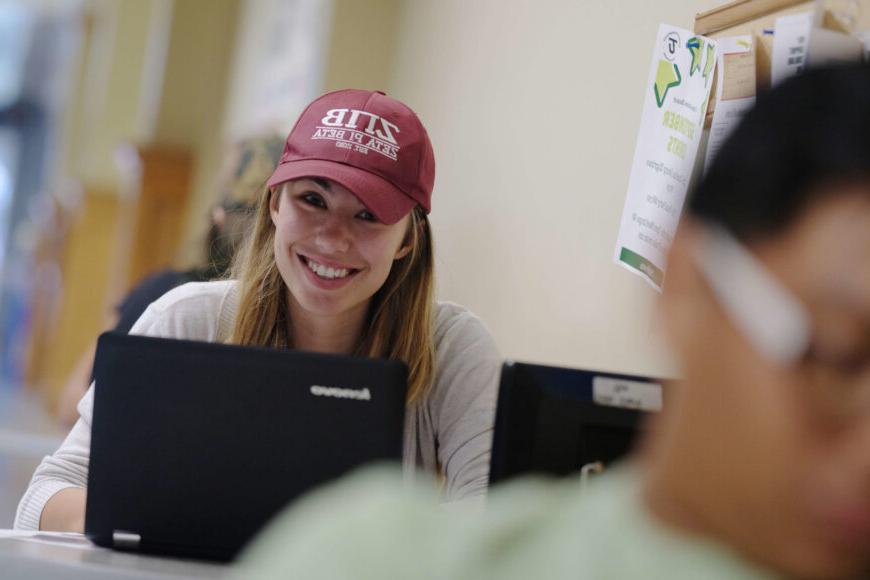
(791, 38)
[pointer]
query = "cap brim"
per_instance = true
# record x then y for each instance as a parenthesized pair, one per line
(386, 201)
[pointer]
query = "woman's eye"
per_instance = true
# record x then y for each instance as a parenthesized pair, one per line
(367, 216)
(313, 199)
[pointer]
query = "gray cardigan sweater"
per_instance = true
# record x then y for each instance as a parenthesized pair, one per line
(449, 432)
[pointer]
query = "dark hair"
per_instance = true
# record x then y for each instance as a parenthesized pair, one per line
(809, 132)
(250, 163)
(223, 240)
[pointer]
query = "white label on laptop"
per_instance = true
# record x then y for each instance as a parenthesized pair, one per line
(627, 394)
(337, 393)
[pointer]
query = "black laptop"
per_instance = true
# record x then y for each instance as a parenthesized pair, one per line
(195, 446)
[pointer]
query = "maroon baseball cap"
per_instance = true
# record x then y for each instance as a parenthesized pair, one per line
(370, 143)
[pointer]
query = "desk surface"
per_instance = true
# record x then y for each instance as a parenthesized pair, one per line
(72, 557)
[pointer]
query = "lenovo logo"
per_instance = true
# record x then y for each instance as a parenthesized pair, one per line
(335, 392)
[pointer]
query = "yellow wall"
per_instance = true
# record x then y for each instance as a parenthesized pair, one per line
(362, 46)
(192, 106)
(110, 103)
(88, 258)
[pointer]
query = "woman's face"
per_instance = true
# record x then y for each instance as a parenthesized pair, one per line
(332, 253)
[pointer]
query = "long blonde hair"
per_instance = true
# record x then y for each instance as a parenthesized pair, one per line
(399, 323)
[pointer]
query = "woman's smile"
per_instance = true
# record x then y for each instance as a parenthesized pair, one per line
(332, 253)
(327, 274)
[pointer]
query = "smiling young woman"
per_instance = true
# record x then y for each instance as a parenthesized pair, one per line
(340, 260)
(318, 255)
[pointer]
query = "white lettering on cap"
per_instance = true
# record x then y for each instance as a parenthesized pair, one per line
(381, 134)
(334, 118)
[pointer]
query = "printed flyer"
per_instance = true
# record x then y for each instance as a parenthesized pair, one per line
(678, 88)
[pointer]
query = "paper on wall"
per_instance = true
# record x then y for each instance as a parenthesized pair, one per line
(735, 89)
(791, 38)
(678, 87)
(798, 42)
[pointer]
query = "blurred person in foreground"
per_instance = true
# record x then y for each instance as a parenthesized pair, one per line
(759, 465)
(247, 166)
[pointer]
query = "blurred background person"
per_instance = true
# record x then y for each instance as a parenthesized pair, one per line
(247, 167)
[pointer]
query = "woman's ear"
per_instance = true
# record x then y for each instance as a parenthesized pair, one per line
(404, 250)
(411, 237)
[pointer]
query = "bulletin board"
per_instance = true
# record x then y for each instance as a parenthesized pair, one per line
(757, 17)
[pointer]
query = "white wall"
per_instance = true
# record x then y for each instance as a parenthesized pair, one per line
(533, 108)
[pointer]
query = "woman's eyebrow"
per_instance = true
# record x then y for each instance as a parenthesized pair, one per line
(322, 183)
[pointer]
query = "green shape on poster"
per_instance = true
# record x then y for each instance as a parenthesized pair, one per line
(667, 77)
(708, 64)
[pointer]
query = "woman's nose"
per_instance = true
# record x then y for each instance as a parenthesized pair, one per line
(333, 235)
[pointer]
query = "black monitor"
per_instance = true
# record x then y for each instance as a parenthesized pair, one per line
(555, 420)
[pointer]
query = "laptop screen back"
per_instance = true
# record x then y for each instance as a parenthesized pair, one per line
(196, 445)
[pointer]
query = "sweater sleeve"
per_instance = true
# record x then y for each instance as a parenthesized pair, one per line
(179, 314)
(67, 467)
(463, 400)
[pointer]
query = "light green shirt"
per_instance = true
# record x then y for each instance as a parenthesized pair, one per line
(371, 527)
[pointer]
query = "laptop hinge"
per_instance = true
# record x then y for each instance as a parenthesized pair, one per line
(125, 540)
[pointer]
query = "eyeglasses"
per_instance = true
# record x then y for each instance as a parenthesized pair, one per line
(778, 325)
(766, 313)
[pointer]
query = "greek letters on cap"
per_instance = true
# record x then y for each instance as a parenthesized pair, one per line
(359, 130)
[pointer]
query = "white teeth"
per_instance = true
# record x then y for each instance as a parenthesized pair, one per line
(327, 272)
